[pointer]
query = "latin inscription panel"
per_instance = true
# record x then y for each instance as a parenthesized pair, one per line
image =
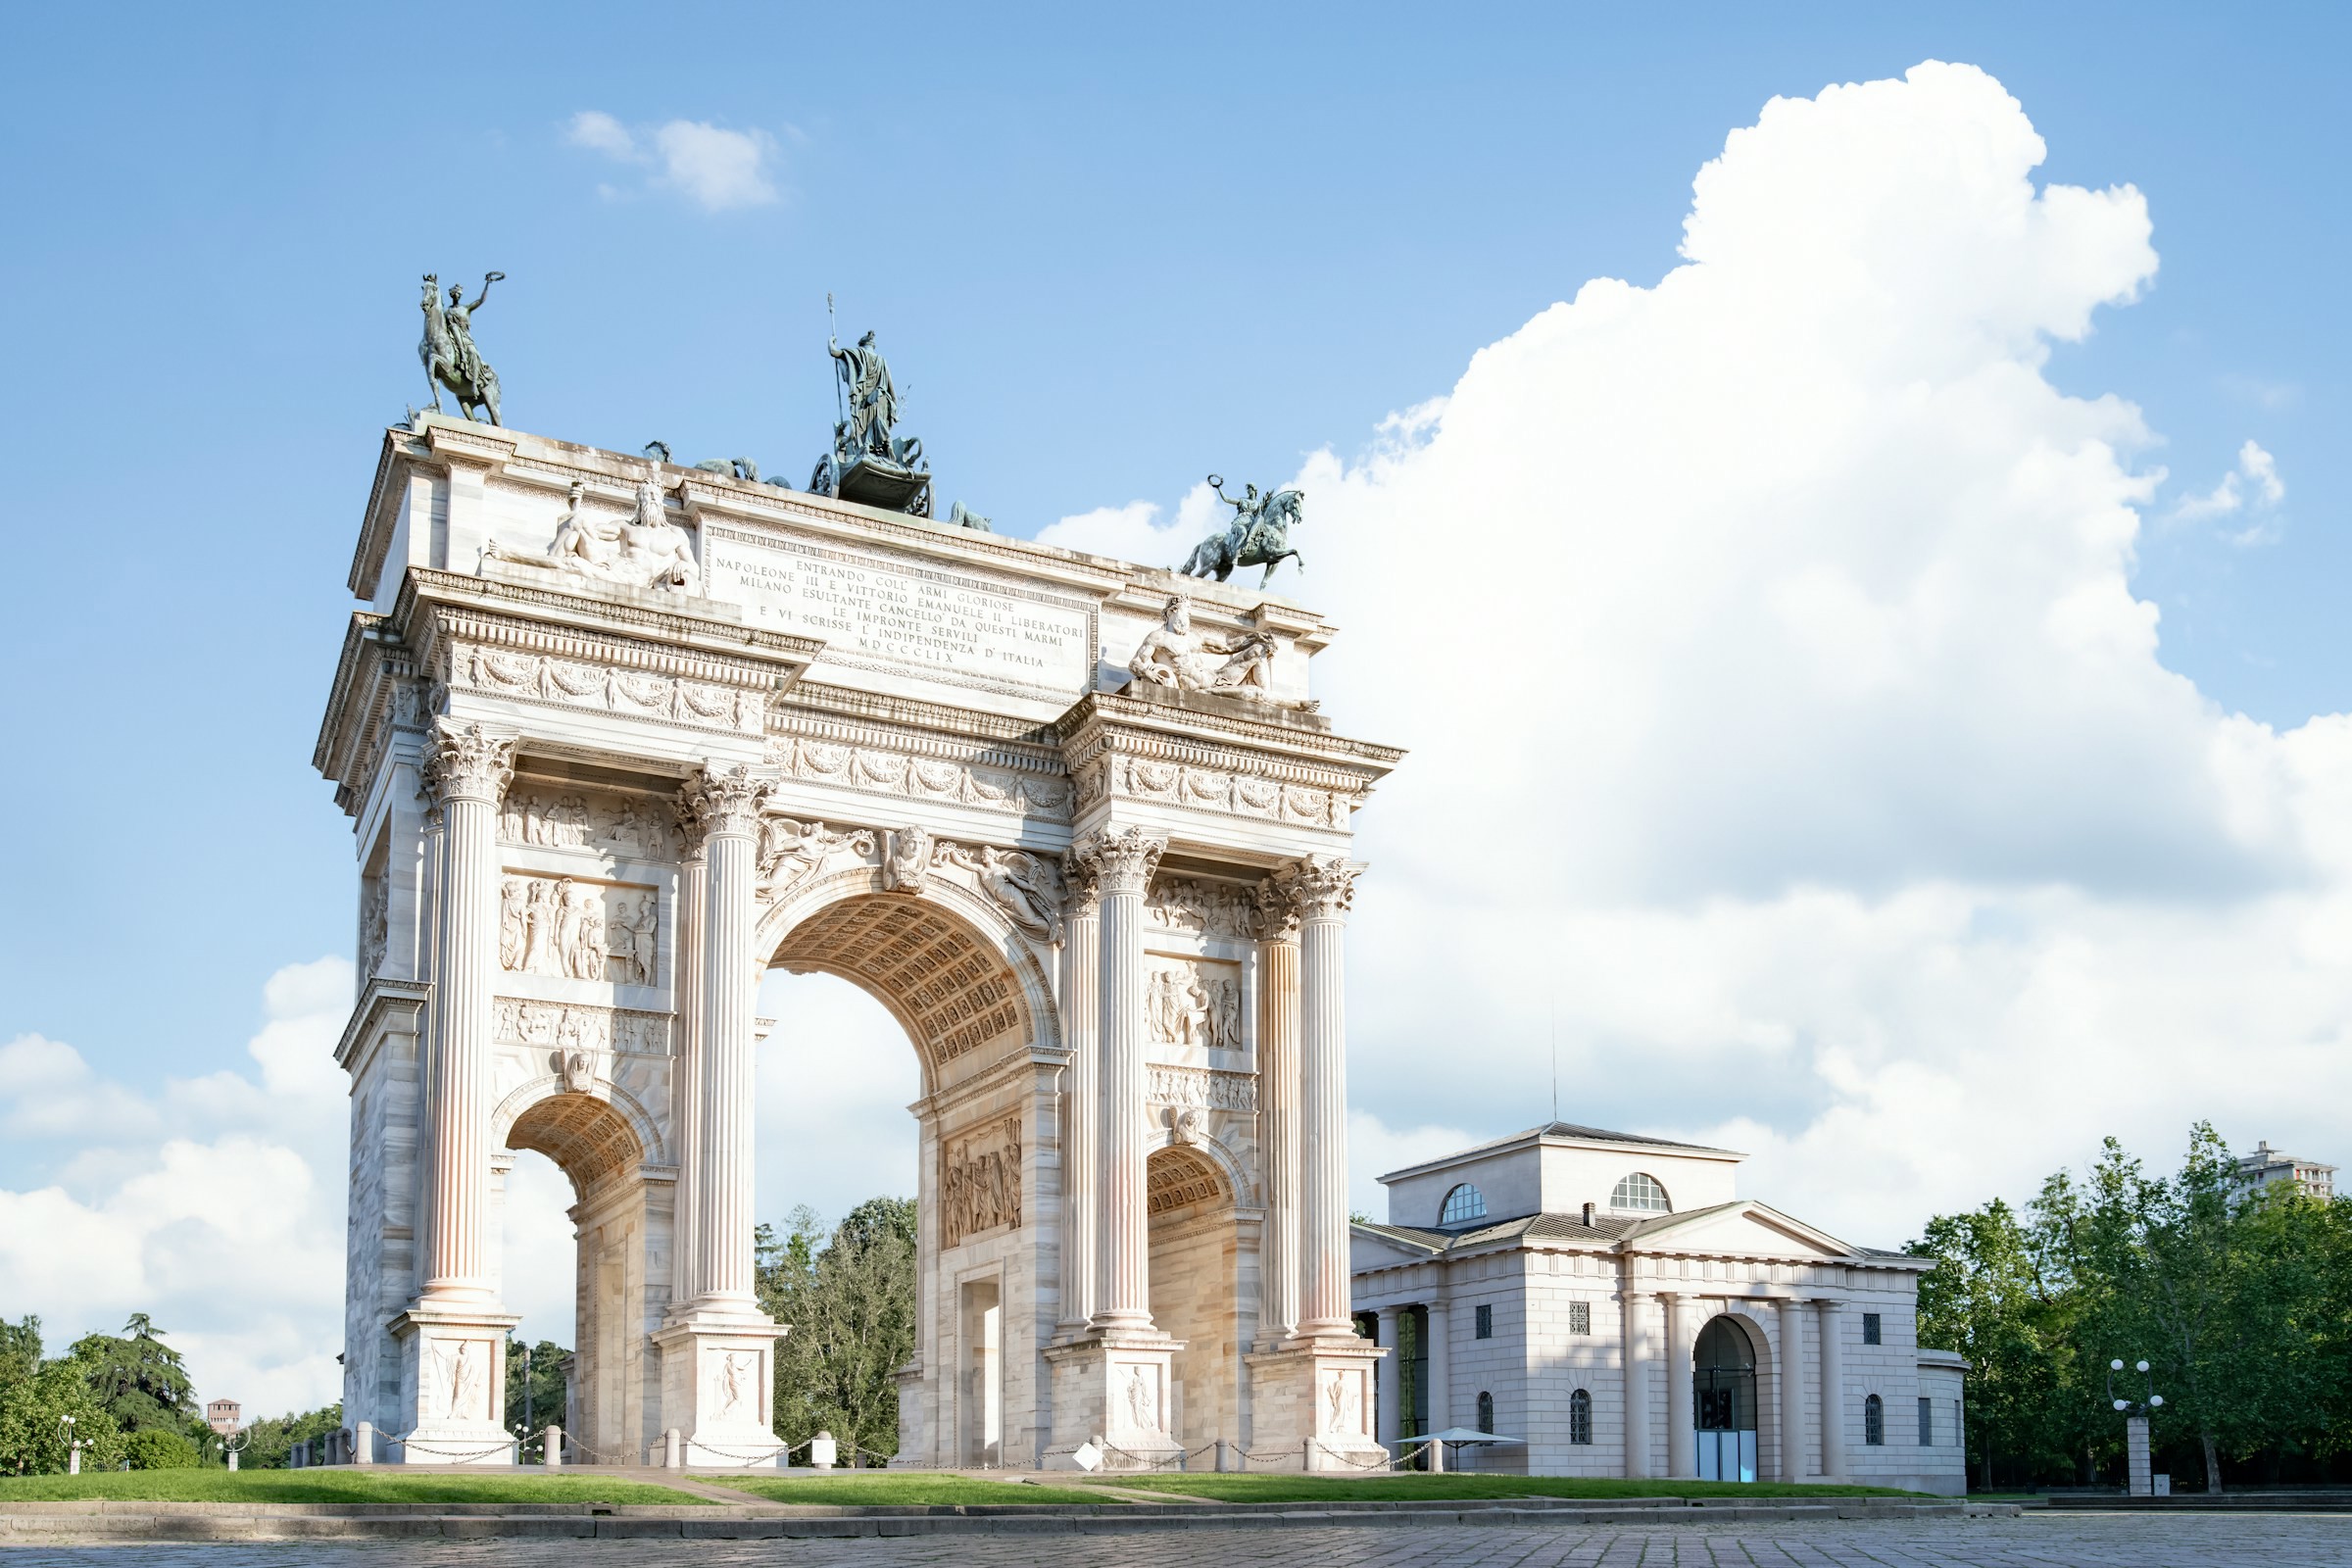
(906, 618)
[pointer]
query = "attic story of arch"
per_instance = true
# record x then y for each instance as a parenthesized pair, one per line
(1075, 822)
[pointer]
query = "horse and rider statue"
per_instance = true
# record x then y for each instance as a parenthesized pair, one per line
(1260, 534)
(450, 357)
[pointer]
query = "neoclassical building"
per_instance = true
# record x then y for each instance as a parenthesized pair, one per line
(1609, 1300)
(615, 737)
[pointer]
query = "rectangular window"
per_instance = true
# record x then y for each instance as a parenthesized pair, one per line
(1579, 1318)
(1486, 1322)
(1927, 1422)
(1870, 1328)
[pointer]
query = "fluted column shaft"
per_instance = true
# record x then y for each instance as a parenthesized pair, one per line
(728, 806)
(1796, 1443)
(1681, 1436)
(1324, 886)
(1278, 1115)
(1082, 1107)
(1441, 1367)
(1391, 1379)
(686, 1068)
(465, 774)
(1833, 1392)
(1125, 862)
(1636, 1385)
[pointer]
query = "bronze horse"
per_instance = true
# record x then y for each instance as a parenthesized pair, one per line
(465, 371)
(1268, 544)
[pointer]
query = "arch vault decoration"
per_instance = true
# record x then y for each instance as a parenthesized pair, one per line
(1005, 789)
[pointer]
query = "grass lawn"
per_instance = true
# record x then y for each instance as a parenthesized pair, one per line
(336, 1483)
(1393, 1489)
(899, 1488)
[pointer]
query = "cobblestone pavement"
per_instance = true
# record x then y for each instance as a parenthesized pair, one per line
(2033, 1540)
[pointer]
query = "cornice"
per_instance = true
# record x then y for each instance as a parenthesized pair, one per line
(1235, 725)
(379, 999)
(606, 615)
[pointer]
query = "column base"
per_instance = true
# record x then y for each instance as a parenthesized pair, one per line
(718, 1382)
(1312, 1403)
(453, 1384)
(1110, 1389)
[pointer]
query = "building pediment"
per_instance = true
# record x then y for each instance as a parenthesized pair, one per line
(1742, 1229)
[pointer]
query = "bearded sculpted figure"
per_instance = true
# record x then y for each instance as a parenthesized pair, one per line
(908, 867)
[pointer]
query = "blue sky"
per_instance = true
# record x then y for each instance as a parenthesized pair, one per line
(1107, 253)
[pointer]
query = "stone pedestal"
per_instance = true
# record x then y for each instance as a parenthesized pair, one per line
(719, 1380)
(453, 1377)
(1112, 1389)
(1313, 1403)
(2135, 1451)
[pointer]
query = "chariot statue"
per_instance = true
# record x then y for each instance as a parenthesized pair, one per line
(1260, 534)
(451, 358)
(870, 462)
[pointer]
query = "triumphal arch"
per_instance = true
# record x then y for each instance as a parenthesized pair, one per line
(617, 736)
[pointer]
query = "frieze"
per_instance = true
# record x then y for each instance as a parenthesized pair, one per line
(570, 1026)
(1202, 1088)
(1188, 1003)
(1220, 911)
(580, 683)
(881, 771)
(980, 1182)
(577, 930)
(545, 819)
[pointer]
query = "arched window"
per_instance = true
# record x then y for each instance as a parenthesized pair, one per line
(1873, 1421)
(1641, 1194)
(1485, 1412)
(1580, 1417)
(1464, 1205)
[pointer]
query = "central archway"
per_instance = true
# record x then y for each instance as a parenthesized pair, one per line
(971, 994)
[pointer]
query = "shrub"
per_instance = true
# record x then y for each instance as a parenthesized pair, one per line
(157, 1449)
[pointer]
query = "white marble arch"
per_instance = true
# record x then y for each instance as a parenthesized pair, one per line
(963, 784)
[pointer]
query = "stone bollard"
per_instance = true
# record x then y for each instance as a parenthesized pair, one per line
(73, 1461)
(823, 1451)
(363, 1442)
(551, 1455)
(232, 1458)
(1220, 1461)
(671, 1456)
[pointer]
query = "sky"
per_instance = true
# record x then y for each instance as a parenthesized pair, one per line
(1856, 565)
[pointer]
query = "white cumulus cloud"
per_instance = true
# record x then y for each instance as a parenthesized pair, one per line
(2252, 487)
(711, 166)
(1784, 724)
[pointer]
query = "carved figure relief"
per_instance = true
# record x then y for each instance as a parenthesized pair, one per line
(1192, 1004)
(980, 1182)
(375, 927)
(572, 1026)
(1222, 911)
(1173, 655)
(625, 825)
(791, 852)
(581, 683)
(453, 1379)
(578, 930)
(1028, 889)
(737, 1371)
(579, 1066)
(1198, 1089)
(908, 867)
(1142, 1399)
(1346, 1411)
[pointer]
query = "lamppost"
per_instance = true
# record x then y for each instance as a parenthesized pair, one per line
(233, 1441)
(2135, 1427)
(73, 1446)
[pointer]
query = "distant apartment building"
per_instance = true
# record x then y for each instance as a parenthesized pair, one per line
(2267, 1167)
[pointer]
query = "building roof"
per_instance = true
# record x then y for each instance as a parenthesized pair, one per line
(1568, 1131)
(1609, 1230)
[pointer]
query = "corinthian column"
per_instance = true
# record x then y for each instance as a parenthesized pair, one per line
(1124, 864)
(466, 773)
(727, 805)
(686, 1063)
(1278, 1106)
(1322, 886)
(1082, 1107)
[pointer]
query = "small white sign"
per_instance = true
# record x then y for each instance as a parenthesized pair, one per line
(1087, 1457)
(2164, 1486)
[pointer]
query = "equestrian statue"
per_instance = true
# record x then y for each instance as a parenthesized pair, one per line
(1260, 534)
(450, 357)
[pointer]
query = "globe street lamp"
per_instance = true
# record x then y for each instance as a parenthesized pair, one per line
(2135, 1426)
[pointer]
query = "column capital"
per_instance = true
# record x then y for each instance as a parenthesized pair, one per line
(1115, 862)
(725, 801)
(467, 763)
(1316, 887)
(1829, 1304)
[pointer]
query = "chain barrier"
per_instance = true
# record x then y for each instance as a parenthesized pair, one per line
(442, 1455)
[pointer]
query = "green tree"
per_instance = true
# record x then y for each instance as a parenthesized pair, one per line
(1984, 1299)
(138, 1378)
(536, 1387)
(269, 1442)
(154, 1449)
(849, 1301)
(35, 1398)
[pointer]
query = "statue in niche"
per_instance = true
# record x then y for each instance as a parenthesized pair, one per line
(1336, 1395)
(465, 1381)
(375, 926)
(451, 358)
(1260, 534)
(512, 893)
(735, 1370)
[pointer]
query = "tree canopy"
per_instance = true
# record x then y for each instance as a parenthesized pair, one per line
(850, 1297)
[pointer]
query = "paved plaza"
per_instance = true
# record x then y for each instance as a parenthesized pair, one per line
(2033, 1541)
